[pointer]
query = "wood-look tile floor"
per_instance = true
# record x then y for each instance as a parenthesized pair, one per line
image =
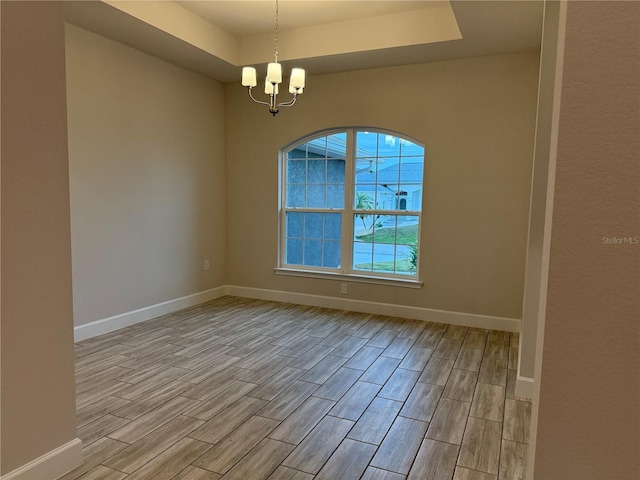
(250, 390)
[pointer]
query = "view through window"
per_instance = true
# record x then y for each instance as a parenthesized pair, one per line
(352, 202)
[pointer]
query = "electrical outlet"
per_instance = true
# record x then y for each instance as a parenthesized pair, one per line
(343, 288)
(206, 264)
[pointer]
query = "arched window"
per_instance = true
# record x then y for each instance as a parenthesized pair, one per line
(351, 204)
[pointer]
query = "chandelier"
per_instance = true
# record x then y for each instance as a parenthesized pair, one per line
(274, 78)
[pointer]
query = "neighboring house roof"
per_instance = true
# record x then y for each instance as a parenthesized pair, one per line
(409, 173)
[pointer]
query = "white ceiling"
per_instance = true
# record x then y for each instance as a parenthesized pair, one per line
(253, 17)
(215, 38)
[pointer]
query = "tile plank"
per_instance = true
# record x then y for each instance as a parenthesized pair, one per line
(355, 401)
(422, 402)
(437, 371)
(435, 461)
(281, 407)
(236, 445)
(481, 446)
(375, 421)
(397, 451)
(348, 462)
(373, 473)
(136, 429)
(494, 371)
(449, 421)
(513, 461)
(285, 473)
(488, 402)
(364, 358)
(171, 461)
(461, 385)
(322, 371)
(150, 446)
(466, 474)
(517, 417)
(319, 445)
(261, 461)
(297, 425)
(400, 384)
(416, 358)
(228, 420)
(380, 370)
(195, 473)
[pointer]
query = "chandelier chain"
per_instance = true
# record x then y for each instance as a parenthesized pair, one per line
(275, 54)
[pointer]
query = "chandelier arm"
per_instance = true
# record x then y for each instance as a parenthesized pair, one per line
(257, 101)
(290, 103)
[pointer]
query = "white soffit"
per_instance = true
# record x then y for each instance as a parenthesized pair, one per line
(435, 22)
(428, 25)
(215, 38)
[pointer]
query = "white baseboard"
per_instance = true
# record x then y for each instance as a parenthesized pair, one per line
(524, 387)
(403, 311)
(51, 465)
(106, 325)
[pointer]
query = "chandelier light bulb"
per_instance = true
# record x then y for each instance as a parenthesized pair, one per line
(249, 77)
(269, 88)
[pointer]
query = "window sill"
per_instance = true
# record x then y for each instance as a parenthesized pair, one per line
(350, 277)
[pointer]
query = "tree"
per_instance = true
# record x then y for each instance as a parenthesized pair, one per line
(413, 258)
(364, 202)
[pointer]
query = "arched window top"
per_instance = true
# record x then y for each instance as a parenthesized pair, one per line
(351, 203)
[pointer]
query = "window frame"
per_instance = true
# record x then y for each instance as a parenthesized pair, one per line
(346, 270)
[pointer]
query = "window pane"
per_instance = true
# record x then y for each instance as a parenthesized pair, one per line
(316, 171)
(294, 224)
(299, 152)
(408, 148)
(313, 225)
(393, 177)
(387, 245)
(333, 226)
(331, 254)
(313, 253)
(335, 196)
(366, 144)
(384, 231)
(365, 197)
(388, 171)
(410, 197)
(295, 196)
(388, 145)
(294, 251)
(320, 244)
(296, 171)
(383, 258)
(335, 171)
(406, 259)
(315, 196)
(366, 170)
(411, 170)
(407, 232)
(337, 145)
(362, 256)
(317, 148)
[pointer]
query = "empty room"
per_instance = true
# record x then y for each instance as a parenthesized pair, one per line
(279, 239)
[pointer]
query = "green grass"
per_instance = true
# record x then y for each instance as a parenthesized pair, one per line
(402, 266)
(407, 235)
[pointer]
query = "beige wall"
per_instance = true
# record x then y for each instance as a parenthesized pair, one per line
(588, 424)
(147, 176)
(476, 118)
(38, 394)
